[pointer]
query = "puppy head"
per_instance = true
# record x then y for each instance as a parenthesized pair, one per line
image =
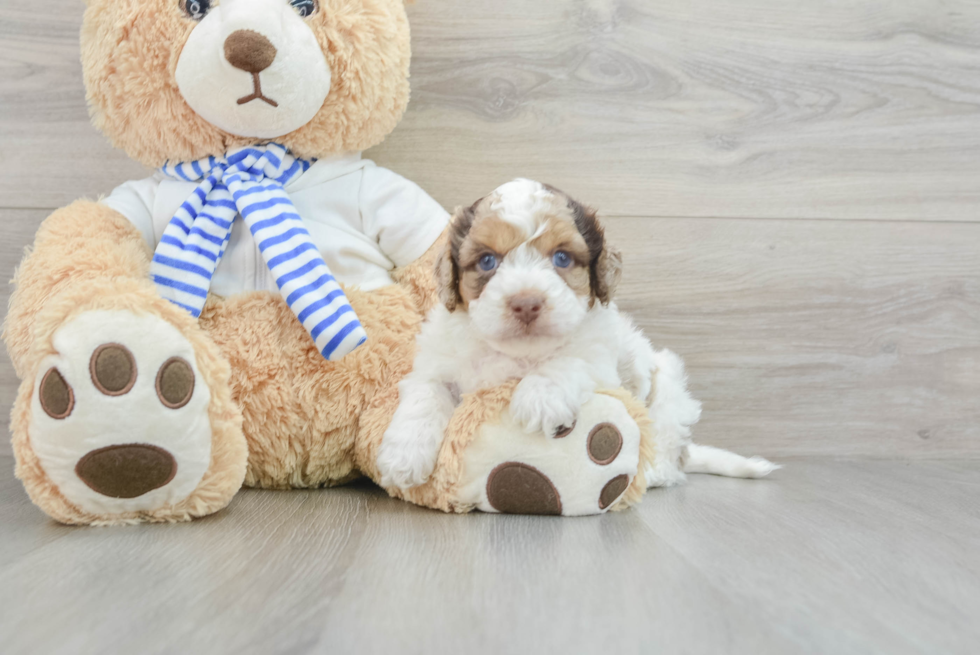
(527, 262)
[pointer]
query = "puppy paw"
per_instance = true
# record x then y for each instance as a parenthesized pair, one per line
(407, 457)
(540, 404)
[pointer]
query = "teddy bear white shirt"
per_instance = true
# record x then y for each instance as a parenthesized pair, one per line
(364, 219)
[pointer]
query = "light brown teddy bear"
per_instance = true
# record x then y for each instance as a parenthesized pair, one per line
(245, 314)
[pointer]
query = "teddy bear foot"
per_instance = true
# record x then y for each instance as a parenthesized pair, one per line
(119, 416)
(584, 470)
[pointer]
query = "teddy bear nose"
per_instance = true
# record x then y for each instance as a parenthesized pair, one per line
(249, 51)
(526, 306)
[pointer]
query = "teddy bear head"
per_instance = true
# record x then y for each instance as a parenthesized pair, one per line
(182, 80)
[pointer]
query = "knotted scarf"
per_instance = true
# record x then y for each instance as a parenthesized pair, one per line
(248, 182)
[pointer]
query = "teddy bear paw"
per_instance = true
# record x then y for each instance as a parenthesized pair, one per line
(585, 470)
(119, 414)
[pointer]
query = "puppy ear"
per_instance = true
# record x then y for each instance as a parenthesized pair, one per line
(606, 273)
(447, 266)
(606, 266)
(447, 279)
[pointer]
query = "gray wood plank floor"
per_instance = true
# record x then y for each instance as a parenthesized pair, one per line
(795, 188)
(828, 556)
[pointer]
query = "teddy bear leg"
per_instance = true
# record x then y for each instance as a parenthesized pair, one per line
(124, 413)
(585, 470)
(303, 414)
(488, 462)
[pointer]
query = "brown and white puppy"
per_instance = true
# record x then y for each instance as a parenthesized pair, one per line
(526, 283)
(545, 255)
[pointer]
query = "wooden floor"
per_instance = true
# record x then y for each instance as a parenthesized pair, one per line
(828, 556)
(796, 188)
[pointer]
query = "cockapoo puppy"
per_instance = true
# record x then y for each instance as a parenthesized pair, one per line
(526, 284)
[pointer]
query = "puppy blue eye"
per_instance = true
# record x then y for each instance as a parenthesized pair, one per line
(305, 8)
(562, 259)
(488, 262)
(196, 9)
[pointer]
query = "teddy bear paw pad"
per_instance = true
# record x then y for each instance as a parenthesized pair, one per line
(120, 415)
(515, 488)
(584, 471)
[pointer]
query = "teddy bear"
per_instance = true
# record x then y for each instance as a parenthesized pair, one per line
(243, 315)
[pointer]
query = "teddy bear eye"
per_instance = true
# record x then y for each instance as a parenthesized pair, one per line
(305, 8)
(196, 9)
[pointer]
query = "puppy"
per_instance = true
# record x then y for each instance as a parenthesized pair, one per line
(526, 285)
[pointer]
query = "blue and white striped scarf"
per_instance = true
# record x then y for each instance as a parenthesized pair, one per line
(249, 182)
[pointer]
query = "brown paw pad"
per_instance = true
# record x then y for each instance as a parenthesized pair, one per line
(605, 442)
(126, 471)
(515, 488)
(113, 369)
(57, 398)
(175, 383)
(613, 490)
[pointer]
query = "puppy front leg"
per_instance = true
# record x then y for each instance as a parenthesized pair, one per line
(550, 397)
(411, 443)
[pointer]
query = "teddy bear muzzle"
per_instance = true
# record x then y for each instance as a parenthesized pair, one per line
(254, 68)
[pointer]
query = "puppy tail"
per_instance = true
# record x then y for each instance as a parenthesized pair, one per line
(708, 459)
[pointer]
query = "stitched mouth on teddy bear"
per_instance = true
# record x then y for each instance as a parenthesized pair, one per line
(249, 51)
(257, 93)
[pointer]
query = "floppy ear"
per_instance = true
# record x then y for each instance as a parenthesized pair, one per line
(447, 279)
(606, 272)
(606, 266)
(447, 266)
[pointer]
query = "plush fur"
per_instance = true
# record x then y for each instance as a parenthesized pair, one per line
(130, 50)
(301, 412)
(276, 405)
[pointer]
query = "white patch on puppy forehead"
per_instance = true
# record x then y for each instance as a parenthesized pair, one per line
(521, 203)
(526, 256)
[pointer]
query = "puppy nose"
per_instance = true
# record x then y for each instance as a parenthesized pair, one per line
(249, 51)
(526, 306)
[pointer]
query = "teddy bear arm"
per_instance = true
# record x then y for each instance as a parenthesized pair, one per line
(76, 245)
